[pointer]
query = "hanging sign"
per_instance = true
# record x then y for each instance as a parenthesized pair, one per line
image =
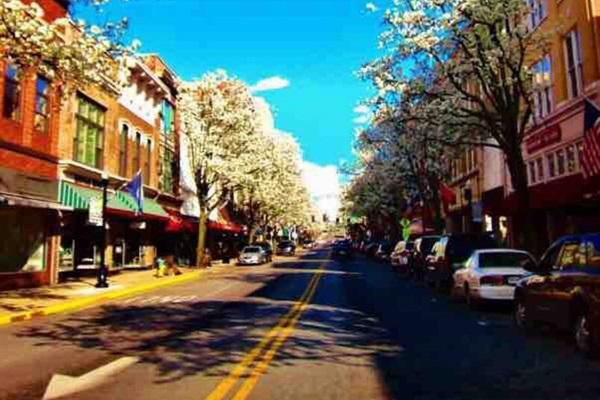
(95, 212)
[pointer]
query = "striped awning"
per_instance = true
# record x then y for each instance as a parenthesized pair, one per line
(78, 197)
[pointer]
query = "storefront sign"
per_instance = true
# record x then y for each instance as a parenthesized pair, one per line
(543, 139)
(95, 212)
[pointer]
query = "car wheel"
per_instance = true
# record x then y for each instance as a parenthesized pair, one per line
(583, 334)
(520, 316)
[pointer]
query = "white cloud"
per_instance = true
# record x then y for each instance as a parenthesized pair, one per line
(271, 83)
(362, 109)
(363, 119)
(323, 183)
(371, 7)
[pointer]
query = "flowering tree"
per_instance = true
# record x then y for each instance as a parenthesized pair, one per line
(470, 60)
(218, 123)
(71, 52)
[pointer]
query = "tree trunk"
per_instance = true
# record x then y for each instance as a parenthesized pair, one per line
(251, 234)
(202, 220)
(522, 224)
(434, 206)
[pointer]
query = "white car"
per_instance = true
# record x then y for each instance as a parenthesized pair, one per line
(490, 274)
(252, 255)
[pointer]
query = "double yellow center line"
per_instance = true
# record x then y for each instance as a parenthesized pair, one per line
(267, 348)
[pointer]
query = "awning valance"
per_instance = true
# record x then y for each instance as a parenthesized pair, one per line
(78, 197)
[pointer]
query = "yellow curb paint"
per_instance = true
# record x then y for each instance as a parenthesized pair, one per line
(226, 384)
(96, 299)
(264, 363)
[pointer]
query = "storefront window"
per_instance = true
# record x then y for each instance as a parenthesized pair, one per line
(560, 161)
(551, 169)
(23, 244)
(570, 159)
(540, 168)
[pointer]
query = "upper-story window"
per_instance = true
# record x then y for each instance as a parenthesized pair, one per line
(123, 147)
(542, 90)
(538, 11)
(148, 162)
(167, 118)
(167, 175)
(573, 62)
(42, 104)
(12, 92)
(88, 143)
(137, 161)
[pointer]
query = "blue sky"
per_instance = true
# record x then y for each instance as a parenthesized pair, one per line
(317, 45)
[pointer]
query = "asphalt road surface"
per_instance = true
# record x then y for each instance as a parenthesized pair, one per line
(307, 328)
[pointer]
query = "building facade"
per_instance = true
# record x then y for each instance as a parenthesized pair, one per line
(29, 159)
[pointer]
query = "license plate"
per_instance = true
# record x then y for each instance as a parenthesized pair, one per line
(513, 280)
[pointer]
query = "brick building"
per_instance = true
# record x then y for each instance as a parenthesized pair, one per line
(29, 154)
(562, 200)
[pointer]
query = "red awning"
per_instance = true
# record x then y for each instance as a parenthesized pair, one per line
(225, 223)
(180, 223)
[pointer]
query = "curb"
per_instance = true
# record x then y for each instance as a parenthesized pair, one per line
(78, 304)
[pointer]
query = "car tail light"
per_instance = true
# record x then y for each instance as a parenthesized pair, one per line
(493, 280)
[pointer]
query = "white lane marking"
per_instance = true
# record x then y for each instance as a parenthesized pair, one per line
(62, 385)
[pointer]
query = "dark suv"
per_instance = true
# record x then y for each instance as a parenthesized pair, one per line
(422, 248)
(563, 290)
(449, 253)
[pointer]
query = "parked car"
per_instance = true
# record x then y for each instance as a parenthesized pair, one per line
(252, 255)
(266, 246)
(450, 253)
(383, 252)
(417, 261)
(308, 244)
(563, 290)
(490, 274)
(342, 250)
(400, 257)
(286, 248)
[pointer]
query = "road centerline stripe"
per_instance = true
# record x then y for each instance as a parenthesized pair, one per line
(226, 384)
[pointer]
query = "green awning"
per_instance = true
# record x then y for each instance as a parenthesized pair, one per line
(151, 207)
(78, 197)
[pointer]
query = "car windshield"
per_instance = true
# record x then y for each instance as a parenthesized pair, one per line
(503, 259)
(253, 249)
(427, 244)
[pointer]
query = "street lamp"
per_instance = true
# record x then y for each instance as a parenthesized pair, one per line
(468, 195)
(103, 271)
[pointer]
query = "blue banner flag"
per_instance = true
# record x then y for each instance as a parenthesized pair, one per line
(136, 189)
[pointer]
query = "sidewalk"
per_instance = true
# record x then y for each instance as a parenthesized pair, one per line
(23, 304)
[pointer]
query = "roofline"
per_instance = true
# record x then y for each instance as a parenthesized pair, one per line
(171, 70)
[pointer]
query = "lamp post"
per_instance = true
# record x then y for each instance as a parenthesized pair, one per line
(103, 271)
(468, 194)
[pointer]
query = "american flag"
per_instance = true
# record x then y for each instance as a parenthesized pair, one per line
(590, 158)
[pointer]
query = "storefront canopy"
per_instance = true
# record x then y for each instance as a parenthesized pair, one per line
(78, 197)
(224, 222)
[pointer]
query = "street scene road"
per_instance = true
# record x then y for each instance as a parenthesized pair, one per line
(308, 327)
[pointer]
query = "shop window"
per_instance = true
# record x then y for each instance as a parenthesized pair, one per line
(88, 142)
(560, 162)
(593, 252)
(23, 244)
(42, 108)
(540, 168)
(570, 152)
(123, 141)
(551, 166)
(531, 172)
(572, 50)
(12, 93)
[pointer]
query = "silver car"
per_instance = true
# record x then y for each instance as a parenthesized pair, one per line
(252, 255)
